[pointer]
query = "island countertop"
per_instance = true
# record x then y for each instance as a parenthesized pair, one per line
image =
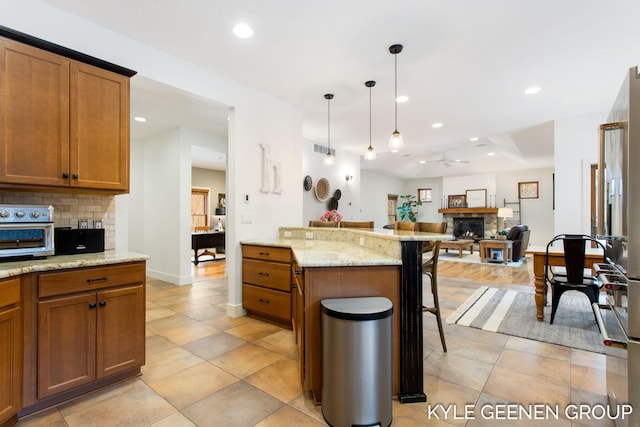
(60, 262)
(325, 247)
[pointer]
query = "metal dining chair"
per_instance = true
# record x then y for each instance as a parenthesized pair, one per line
(573, 276)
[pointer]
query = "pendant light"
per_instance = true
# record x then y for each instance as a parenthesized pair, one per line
(395, 142)
(328, 158)
(371, 153)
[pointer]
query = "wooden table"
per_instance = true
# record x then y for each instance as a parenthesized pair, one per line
(459, 245)
(207, 240)
(556, 258)
(486, 246)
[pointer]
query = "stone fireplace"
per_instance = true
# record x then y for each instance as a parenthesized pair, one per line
(482, 222)
(468, 228)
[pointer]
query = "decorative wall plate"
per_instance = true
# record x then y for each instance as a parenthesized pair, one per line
(308, 183)
(322, 189)
(333, 204)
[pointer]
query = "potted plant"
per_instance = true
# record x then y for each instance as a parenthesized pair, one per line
(502, 235)
(406, 209)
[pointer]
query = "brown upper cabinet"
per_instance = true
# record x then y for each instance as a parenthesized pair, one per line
(63, 123)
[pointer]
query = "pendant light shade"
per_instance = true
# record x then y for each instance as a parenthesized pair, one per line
(395, 142)
(371, 153)
(328, 158)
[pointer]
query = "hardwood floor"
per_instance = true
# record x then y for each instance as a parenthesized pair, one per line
(208, 270)
(522, 275)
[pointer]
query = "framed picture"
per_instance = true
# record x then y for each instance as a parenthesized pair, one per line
(83, 224)
(496, 255)
(424, 195)
(528, 190)
(97, 223)
(457, 201)
(476, 198)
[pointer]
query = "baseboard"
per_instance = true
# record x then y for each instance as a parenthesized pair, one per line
(235, 310)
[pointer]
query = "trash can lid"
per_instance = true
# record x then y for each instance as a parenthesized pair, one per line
(364, 308)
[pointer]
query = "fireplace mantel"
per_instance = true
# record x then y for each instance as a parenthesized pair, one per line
(469, 211)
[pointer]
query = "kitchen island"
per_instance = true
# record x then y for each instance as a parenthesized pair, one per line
(341, 263)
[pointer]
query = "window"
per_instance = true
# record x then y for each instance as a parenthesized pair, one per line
(199, 207)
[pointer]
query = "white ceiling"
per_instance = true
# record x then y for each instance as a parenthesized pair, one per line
(465, 63)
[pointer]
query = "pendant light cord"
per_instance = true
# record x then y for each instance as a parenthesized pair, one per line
(370, 116)
(395, 100)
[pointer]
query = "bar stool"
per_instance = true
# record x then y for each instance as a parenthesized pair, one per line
(430, 268)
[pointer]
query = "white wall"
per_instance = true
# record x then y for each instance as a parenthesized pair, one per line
(576, 143)
(345, 164)
(256, 118)
(458, 185)
(214, 180)
(427, 212)
(537, 214)
(374, 189)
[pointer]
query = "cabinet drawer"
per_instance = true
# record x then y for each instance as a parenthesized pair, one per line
(9, 292)
(66, 282)
(270, 274)
(271, 303)
(267, 253)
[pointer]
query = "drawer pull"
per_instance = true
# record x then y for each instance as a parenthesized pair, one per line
(260, 273)
(263, 253)
(103, 303)
(264, 300)
(98, 279)
(92, 305)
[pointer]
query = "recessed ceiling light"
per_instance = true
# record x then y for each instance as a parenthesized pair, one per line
(491, 154)
(437, 125)
(422, 161)
(402, 98)
(243, 31)
(533, 89)
(475, 138)
(139, 119)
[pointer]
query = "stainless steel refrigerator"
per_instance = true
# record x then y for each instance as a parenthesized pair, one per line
(619, 224)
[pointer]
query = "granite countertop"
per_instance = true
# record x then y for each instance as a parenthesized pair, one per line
(60, 262)
(320, 253)
(332, 247)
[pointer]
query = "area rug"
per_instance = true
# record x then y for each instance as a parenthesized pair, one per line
(514, 313)
(475, 258)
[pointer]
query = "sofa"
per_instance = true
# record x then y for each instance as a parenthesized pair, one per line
(519, 234)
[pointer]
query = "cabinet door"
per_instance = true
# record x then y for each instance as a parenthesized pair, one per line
(10, 362)
(99, 129)
(120, 330)
(66, 343)
(34, 116)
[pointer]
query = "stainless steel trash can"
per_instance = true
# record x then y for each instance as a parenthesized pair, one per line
(356, 361)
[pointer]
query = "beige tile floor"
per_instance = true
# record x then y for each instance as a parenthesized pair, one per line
(206, 369)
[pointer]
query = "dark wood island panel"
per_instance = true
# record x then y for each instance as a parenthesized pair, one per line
(344, 282)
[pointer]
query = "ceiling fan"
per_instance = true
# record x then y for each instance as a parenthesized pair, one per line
(446, 161)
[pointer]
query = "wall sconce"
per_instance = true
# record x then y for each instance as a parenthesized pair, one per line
(348, 177)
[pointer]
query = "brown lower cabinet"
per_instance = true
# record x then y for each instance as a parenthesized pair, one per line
(312, 285)
(266, 282)
(89, 336)
(10, 349)
(84, 328)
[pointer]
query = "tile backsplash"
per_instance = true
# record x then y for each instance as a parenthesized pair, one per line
(69, 208)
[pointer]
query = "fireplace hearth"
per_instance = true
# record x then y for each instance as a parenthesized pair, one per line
(468, 228)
